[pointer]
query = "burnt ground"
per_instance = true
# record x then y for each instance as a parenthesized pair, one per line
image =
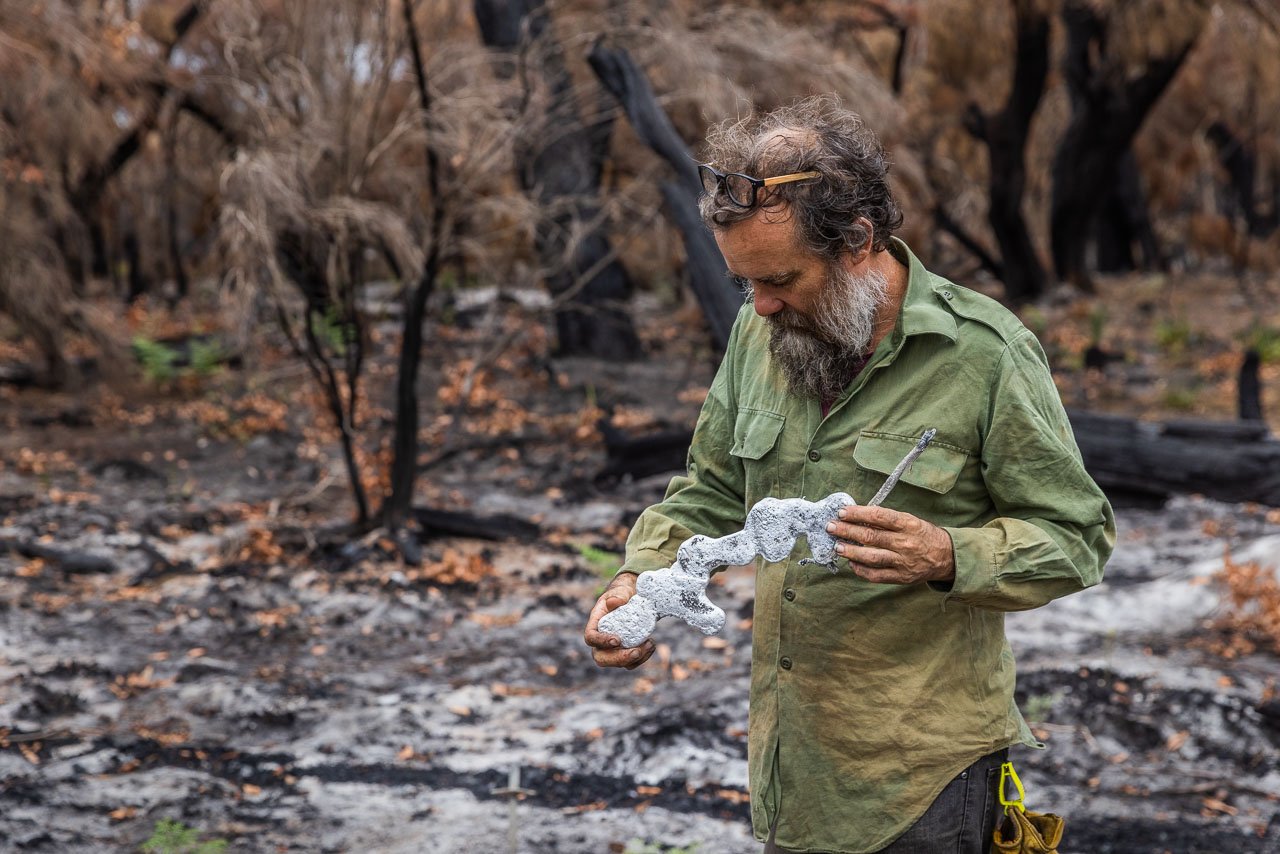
(187, 632)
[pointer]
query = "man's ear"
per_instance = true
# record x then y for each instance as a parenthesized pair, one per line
(858, 254)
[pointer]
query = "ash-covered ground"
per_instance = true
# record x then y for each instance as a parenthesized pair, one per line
(345, 703)
(186, 633)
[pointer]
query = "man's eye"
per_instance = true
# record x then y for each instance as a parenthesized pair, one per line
(742, 283)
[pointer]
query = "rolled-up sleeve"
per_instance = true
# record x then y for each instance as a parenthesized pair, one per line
(1054, 529)
(709, 498)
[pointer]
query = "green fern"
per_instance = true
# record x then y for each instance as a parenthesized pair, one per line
(174, 837)
(1097, 324)
(1174, 336)
(206, 357)
(157, 359)
(1266, 341)
(332, 329)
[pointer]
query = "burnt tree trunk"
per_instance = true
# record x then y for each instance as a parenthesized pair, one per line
(559, 161)
(138, 284)
(404, 444)
(1124, 224)
(1249, 386)
(1240, 163)
(182, 285)
(1109, 103)
(1005, 134)
(85, 195)
(708, 274)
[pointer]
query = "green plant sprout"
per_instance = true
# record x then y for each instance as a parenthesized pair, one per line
(174, 837)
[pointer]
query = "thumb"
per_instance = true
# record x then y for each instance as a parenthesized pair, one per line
(619, 592)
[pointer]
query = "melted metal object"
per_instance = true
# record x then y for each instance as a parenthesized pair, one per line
(771, 531)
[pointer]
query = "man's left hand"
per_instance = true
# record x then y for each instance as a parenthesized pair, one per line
(889, 547)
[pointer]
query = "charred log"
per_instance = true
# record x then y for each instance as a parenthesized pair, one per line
(451, 523)
(1133, 461)
(68, 560)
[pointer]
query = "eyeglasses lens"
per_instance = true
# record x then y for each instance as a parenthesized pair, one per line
(710, 182)
(740, 190)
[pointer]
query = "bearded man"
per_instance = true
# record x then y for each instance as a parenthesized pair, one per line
(881, 702)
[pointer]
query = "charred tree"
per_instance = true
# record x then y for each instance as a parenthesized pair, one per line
(182, 285)
(85, 195)
(330, 341)
(1249, 386)
(1240, 163)
(1123, 234)
(708, 275)
(404, 464)
(1109, 102)
(559, 161)
(1005, 134)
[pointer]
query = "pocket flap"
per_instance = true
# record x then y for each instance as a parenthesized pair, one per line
(755, 432)
(936, 470)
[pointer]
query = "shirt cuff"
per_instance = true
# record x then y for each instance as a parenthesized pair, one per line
(644, 560)
(975, 566)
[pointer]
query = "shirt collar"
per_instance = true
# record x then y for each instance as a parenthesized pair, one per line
(922, 310)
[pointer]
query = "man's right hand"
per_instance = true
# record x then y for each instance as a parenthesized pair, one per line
(607, 649)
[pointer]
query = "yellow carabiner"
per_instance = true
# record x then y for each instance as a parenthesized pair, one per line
(1006, 774)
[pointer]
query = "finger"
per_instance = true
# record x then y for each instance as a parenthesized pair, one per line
(593, 636)
(629, 657)
(870, 557)
(622, 588)
(876, 575)
(617, 597)
(876, 517)
(644, 652)
(861, 535)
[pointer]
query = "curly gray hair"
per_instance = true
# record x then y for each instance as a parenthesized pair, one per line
(814, 134)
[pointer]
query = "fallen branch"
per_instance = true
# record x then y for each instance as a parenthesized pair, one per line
(68, 561)
(451, 523)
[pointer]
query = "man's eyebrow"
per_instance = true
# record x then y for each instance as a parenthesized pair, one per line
(778, 278)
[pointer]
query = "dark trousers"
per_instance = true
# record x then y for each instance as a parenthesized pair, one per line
(961, 819)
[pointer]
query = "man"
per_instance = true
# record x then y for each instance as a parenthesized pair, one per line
(882, 695)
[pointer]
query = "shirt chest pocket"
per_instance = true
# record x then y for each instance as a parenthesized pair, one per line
(755, 438)
(935, 471)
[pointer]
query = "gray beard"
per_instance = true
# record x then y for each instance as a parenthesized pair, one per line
(817, 354)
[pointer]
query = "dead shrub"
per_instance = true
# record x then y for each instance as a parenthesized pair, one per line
(1254, 616)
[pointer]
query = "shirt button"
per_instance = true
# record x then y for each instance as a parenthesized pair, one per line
(946, 295)
(786, 663)
(789, 594)
(814, 456)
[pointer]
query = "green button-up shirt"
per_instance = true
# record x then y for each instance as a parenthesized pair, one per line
(867, 699)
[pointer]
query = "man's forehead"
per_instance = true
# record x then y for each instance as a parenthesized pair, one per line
(768, 236)
(774, 224)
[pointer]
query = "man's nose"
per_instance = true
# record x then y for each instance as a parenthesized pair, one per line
(766, 305)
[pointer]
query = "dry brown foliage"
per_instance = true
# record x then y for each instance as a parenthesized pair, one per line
(1254, 616)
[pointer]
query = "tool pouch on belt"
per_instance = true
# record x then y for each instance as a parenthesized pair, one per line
(1024, 831)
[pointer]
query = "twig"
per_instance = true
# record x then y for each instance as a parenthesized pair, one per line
(902, 467)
